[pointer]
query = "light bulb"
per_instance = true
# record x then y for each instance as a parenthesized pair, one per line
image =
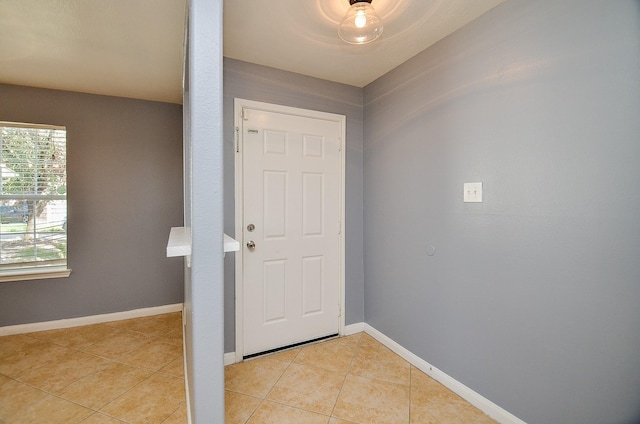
(360, 24)
(361, 19)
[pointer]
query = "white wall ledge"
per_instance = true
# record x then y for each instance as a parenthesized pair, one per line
(180, 242)
(231, 244)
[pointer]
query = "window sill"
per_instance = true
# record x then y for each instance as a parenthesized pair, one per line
(34, 274)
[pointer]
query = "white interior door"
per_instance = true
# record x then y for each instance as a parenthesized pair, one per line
(291, 225)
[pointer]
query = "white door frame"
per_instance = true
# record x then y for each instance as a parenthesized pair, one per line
(239, 104)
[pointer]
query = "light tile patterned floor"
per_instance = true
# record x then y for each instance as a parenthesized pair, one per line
(132, 372)
(119, 372)
(351, 380)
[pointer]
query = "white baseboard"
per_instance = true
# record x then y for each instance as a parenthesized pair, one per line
(187, 392)
(229, 358)
(93, 319)
(485, 405)
(353, 329)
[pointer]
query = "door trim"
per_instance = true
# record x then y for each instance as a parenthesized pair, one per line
(239, 104)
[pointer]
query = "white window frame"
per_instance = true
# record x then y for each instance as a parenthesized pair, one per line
(35, 270)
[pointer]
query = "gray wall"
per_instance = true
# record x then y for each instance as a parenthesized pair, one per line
(204, 291)
(124, 168)
(532, 297)
(254, 82)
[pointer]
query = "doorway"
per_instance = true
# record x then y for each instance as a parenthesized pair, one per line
(289, 187)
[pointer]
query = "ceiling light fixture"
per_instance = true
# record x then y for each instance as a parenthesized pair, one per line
(360, 25)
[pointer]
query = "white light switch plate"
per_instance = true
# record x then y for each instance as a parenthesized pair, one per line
(473, 192)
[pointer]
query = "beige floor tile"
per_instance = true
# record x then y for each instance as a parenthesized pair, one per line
(153, 355)
(10, 345)
(300, 385)
(66, 371)
(178, 417)
(166, 323)
(373, 360)
(421, 381)
(254, 378)
(83, 381)
(429, 409)
(76, 337)
(367, 340)
(52, 410)
(339, 421)
(353, 338)
(309, 388)
(99, 418)
(238, 407)
(118, 344)
(431, 402)
(151, 401)
(174, 368)
(32, 356)
(286, 356)
(271, 413)
(155, 326)
(370, 401)
(173, 337)
(333, 355)
(98, 389)
(470, 414)
(16, 397)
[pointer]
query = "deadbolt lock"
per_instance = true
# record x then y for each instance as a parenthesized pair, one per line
(251, 227)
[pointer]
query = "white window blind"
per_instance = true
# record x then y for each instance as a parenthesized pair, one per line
(33, 198)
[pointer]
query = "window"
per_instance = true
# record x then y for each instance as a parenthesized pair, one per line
(33, 201)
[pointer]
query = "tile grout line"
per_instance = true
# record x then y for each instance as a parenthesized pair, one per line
(122, 394)
(130, 389)
(362, 350)
(100, 413)
(115, 361)
(152, 372)
(276, 383)
(264, 399)
(289, 364)
(93, 411)
(71, 347)
(49, 393)
(173, 412)
(292, 407)
(355, 352)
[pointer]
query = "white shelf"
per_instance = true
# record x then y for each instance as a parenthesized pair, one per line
(231, 244)
(180, 242)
